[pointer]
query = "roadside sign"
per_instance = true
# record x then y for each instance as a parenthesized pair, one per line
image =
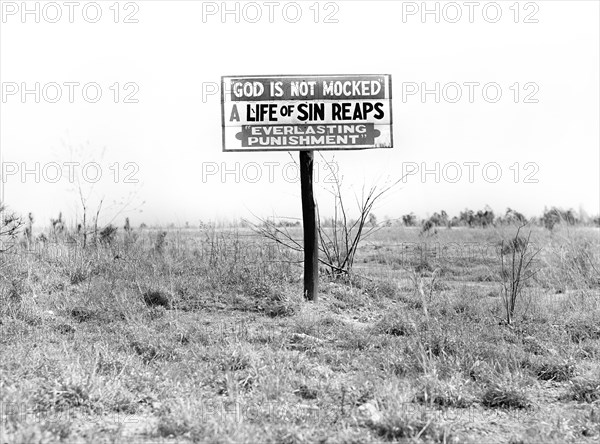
(295, 113)
(307, 113)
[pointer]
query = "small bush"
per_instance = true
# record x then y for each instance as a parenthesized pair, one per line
(516, 269)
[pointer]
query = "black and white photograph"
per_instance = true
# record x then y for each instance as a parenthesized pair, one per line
(296, 222)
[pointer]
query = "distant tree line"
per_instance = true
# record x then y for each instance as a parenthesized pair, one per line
(486, 217)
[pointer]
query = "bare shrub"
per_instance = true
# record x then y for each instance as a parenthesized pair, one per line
(339, 236)
(10, 226)
(517, 268)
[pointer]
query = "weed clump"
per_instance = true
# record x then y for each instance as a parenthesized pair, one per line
(108, 234)
(82, 314)
(583, 390)
(442, 394)
(172, 426)
(533, 345)
(582, 330)
(62, 396)
(236, 361)
(269, 298)
(498, 396)
(439, 342)
(396, 325)
(159, 244)
(11, 299)
(65, 329)
(306, 392)
(16, 291)
(154, 298)
(78, 275)
(150, 350)
(384, 289)
(402, 427)
(553, 370)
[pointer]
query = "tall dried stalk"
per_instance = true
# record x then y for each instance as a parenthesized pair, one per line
(516, 271)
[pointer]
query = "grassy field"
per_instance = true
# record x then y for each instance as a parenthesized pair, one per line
(203, 336)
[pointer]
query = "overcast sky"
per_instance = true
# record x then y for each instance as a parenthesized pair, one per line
(514, 121)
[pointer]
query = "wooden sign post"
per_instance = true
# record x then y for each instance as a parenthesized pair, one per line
(309, 225)
(307, 113)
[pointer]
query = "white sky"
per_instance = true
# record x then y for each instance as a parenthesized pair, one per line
(171, 134)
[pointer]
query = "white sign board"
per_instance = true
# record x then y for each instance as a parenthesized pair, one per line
(286, 113)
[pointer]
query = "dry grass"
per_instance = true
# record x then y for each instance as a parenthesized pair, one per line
(206, 338)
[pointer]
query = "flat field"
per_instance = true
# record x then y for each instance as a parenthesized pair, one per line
(203, 336)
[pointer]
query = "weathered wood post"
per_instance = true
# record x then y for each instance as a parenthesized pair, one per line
(309, 224)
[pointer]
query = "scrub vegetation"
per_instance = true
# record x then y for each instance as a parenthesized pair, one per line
(438, 334)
